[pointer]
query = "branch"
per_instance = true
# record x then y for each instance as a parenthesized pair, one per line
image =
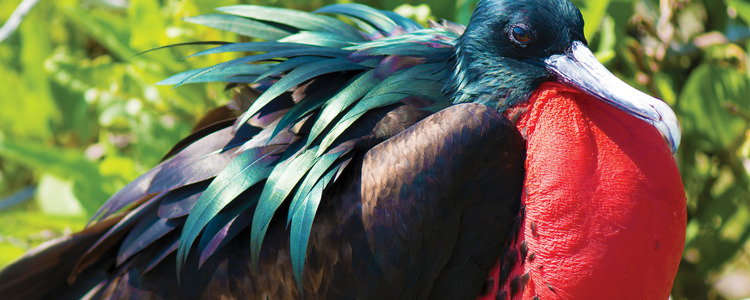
(15, 19)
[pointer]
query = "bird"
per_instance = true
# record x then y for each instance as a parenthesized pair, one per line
(364, 156)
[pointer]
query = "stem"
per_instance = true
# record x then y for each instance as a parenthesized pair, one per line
(15, 19)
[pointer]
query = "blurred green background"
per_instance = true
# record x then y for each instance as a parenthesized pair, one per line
(80, 116)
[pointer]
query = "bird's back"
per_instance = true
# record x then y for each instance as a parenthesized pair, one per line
(351, 130)
(387, 228)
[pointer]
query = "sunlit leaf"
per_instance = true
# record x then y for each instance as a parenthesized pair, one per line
(55, 197)
(742, 7)
(593, 13)
(708, 99)
(64, 163)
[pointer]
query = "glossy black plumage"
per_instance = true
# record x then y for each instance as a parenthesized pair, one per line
(388, 209)
(427, 195)
(413, 193)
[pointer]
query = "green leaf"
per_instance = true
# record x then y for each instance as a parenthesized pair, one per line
(88, 182)
(55, 197)
(742, 7)
(146, 24)
(593, 12)
(464, 9)
(707, 100)
(605, 51)
(33, 110)
(35, 46)
(107, 29)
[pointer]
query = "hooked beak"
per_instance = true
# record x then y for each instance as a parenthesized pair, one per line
(578, 67)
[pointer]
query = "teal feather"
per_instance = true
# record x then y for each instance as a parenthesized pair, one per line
(316, 172)
(296, 19)
(392, 90)
(193, 76)
(302, 49)
(295, 77)
(282, 67)
(184, 44)
(405, 23)
(367, 14)
(389, 60)
(342, 100)
(325, 52)
(420, 43)
(278, 186)
(302, 221)
(296, 113)
(249, 168)
(325, 39)
(209, 242)
(240, 25)
(368, 30)
(318, 76)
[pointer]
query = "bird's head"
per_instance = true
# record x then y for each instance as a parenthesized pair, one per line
(510, 47)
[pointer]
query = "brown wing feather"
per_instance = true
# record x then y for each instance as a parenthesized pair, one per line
(44, 271)
(421, 212)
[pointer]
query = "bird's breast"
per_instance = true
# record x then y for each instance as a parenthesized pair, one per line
(605, 204)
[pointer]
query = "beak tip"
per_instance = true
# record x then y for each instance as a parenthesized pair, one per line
(674, 141)
(668, 125)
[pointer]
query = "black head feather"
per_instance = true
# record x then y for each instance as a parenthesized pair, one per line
(499, 58)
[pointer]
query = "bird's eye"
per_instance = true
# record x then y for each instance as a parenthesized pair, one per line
(521, 35)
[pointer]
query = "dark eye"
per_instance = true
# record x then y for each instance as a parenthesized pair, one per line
(521, 35)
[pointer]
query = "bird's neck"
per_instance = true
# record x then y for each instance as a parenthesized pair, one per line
(479, 76)
(605, 205)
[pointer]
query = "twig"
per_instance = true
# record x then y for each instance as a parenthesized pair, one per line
(17, 198)
(15, 19)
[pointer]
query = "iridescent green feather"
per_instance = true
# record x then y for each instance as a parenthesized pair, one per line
(387, 58)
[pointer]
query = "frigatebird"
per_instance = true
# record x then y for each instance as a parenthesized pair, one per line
(365, 156)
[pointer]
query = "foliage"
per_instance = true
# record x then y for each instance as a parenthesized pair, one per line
(81, 116)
